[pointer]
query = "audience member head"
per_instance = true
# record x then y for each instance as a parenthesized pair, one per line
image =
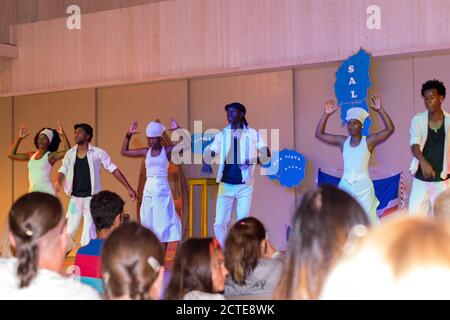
(199, 266)
(132, 263)
(406, 258)
(321, 226)
(107, 211)
(38, 234)
(245, 244)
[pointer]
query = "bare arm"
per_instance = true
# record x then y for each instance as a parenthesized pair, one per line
(58, 182)
(185, 144)
(389, 128)
(335, 140)
(12, 154)
(206, 169)
(55, 156)
(119, 176)
(426, 167)
(266, 154)
(126, 151)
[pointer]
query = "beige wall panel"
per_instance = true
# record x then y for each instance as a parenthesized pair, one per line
(268, 98)
(38, 111)
(189, 38)
(117, 107)
(6, 191)
(312, 87)
(393, 78)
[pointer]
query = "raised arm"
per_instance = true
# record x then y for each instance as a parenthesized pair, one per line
(55, 156)
(12, 154)
(126, 151)
(335, 140)
(389, 128)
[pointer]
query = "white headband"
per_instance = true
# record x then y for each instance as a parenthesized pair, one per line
(48, 133)
(155, 129)
(356, 113)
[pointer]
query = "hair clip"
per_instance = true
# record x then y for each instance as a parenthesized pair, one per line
(29, 233)
(106, 277)
(153, 263)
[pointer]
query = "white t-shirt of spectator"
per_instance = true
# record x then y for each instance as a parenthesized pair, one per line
(47, 285)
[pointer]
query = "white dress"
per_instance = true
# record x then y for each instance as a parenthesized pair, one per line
(158, 209)
(356, 179)
(40, 174)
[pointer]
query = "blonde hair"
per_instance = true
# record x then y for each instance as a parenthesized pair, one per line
(405, 258)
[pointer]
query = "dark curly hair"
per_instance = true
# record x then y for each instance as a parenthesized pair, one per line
(87, 128)
(54, 144)
(434, 84)
(105, 207)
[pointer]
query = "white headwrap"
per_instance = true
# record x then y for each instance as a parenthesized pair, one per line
(357, 113)
(48, 133)
(155, 129)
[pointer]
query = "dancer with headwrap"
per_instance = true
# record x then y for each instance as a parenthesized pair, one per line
(158, 209)
(41, 161)
(356, 151)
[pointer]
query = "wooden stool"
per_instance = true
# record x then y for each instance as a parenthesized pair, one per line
(204, 183)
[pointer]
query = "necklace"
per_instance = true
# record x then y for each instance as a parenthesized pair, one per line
(435, 129)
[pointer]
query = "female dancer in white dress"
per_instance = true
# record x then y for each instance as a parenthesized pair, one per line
(158, 209)
(40, 162)
(356, 151)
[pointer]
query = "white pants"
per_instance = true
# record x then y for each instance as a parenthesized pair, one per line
(423, 195)
(158, 210)
(78, 208)
(364, 192)
(227, 193)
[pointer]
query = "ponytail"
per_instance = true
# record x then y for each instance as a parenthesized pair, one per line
(31, 217)
(27, 267)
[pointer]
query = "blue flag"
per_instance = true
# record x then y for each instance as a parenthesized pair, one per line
(291, 168)
(352, 85)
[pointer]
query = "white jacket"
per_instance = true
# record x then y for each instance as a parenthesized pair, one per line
(418, 134)
(249, 144)
(96, 157)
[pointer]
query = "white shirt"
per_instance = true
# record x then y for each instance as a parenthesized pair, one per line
(418, 134)
(249, 143)
(47, 285)
(96, 157)
(199, 295)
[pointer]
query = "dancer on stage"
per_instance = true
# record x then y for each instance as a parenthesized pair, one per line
(239, 147)
(41, 161)
(356, 151)
(81, 169)
(429, 141)
(158, 209)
